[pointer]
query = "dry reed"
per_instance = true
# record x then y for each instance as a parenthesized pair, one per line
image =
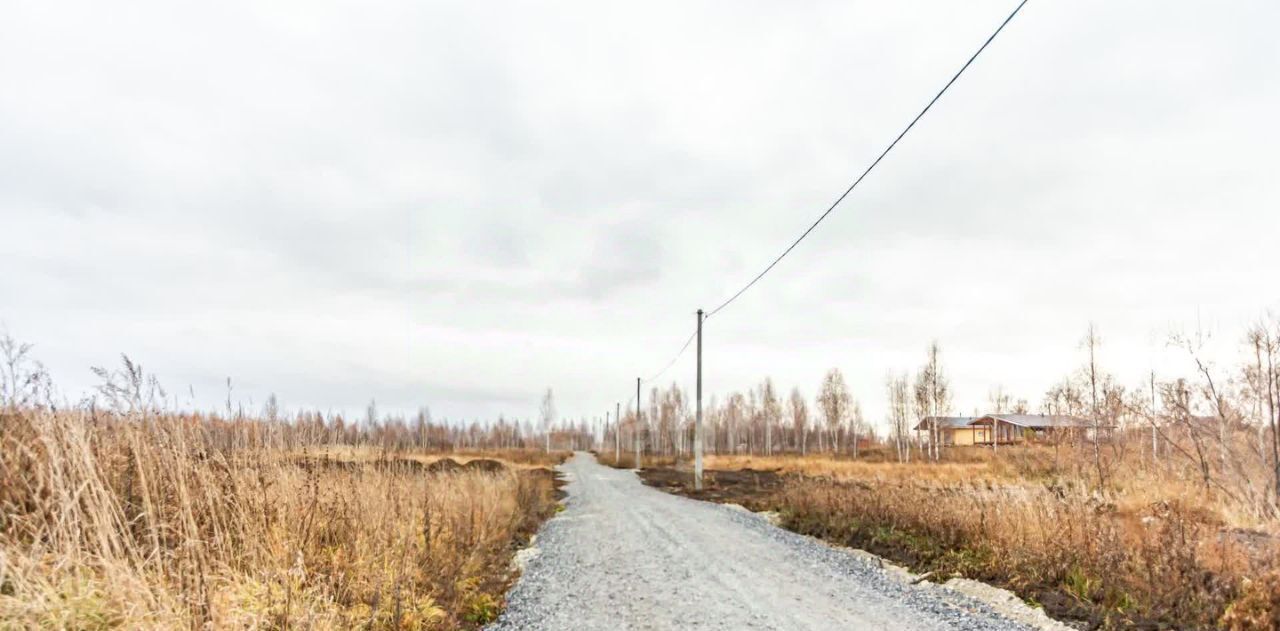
(164, 521)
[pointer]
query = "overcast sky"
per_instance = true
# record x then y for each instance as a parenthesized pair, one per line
(460, 204)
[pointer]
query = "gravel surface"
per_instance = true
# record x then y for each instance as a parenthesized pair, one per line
(626, 556)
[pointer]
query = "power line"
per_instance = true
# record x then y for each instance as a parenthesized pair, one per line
(671, 363)
(873, 164)
(842, 196)
(676, 357)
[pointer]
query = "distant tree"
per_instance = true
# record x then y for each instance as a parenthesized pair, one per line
(734, 413)
(834, 402)
(856, 424)
(423, 427)
(271, 409)
(799, 411)
(1091, 341)
(770, 412)
(933, 397)
(1262, 381)
(899, 391)
(998, 401)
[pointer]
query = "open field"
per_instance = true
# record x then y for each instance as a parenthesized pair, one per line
(1153, 551)
(148, 520)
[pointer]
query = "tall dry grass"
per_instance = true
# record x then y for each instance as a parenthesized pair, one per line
(159, 521)
(1155, 549)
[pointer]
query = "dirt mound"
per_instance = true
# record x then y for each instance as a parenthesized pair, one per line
(486, 465)
(326, 464)
(444, 465)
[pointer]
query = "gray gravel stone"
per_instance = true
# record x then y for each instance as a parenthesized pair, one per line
(626, 556)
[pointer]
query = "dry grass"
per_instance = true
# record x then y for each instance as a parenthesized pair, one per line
(1155, 549)
(141, 522)
(517, 458)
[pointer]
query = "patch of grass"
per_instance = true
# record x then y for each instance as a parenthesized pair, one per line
(165, 521)
(481, 608)
(1154, 552)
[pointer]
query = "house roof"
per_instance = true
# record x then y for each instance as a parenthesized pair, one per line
(945, 422)
(1035, 420)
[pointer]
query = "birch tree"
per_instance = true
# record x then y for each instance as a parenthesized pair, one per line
(799, 410)
(933, 397)
(770, 412)
(899, 392)
(834, 402)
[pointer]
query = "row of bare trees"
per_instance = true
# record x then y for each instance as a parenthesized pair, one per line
(129, 391)
(760, 421)
(1220, 419)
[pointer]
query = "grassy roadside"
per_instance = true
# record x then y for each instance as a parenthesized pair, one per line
(154, 522)
(1100, 562)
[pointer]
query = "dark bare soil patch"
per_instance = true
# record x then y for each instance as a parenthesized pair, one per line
(326, 464)
(556, 480)
(484, 464)
(748, 487)
(444, 465)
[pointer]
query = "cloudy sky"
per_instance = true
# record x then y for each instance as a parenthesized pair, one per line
(460, 204)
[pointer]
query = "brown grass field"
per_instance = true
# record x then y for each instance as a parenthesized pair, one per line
(1155, 550)
(165, 521)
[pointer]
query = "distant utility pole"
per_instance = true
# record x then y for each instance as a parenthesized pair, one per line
(697, 426)
(637, 423)
(617, 432)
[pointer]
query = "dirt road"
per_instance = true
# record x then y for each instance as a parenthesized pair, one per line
(626, 556)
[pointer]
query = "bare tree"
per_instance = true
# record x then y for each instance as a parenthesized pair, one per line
(423, 429)
(834, 402)
(933, 397)
(900, 414)
(1265, 386)
(998, 401)
(271, 409)
(1092, 342)
(799, 419)
(770, 412)
(856, 423)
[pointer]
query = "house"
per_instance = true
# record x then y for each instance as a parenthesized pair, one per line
(953, 430)
(1015, 428)
(1005, 428)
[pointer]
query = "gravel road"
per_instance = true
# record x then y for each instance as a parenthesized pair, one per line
(626, 556)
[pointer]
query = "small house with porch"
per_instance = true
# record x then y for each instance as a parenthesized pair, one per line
(1001, 429)
(953, 430)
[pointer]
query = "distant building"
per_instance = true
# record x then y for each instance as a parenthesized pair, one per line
(954, 430)
(1005, 428)
(1014, 428)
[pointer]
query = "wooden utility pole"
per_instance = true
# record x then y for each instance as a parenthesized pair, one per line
(638, 424)
(617, 433)
(697, 426)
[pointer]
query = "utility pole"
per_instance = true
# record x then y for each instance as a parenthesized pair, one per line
(697, 426)
(617, 432)
(637, 423)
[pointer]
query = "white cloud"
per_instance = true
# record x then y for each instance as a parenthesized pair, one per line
(459, 204)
